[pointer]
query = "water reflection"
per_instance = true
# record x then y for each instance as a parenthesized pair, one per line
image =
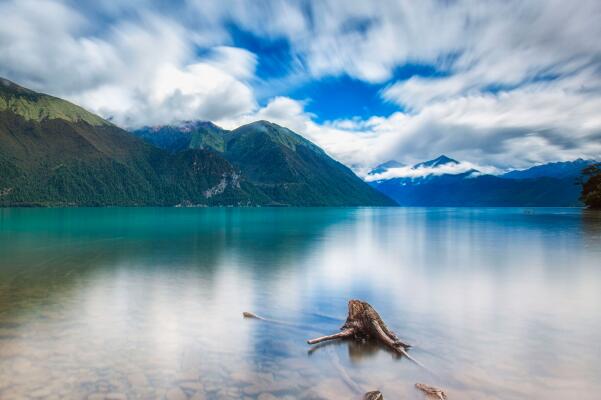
(146, 303)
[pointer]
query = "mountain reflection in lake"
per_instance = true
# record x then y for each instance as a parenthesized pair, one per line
(147, 303)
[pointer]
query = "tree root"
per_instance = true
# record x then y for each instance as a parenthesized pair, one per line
(247, 314)
(344, 334)
(364, 322)
(375, 395)
(431, 391)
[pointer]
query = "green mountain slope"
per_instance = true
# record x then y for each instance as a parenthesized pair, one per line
(55, 153)
(34, 106)
(286, 167)
(292, 170)
(188, 135)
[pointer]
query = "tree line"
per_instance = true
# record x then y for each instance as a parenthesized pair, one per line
(591, 186)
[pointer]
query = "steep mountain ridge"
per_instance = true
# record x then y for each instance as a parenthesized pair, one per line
(33, 106)
(285, 166)
(291, 169)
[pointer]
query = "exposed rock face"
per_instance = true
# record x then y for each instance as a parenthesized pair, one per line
(233, 180)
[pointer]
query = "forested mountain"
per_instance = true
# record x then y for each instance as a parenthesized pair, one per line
(54, 153)
(286, 167)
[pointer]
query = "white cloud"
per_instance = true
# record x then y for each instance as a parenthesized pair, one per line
(542, 58)
(136, 72)
(236, 62)
(420, 172)
(535, 124)
(144, 62)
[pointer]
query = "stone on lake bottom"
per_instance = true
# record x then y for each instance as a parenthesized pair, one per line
(175, 394)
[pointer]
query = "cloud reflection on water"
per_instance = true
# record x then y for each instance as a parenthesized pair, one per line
(501, 304)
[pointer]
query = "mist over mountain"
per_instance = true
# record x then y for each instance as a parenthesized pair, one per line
(381, 168)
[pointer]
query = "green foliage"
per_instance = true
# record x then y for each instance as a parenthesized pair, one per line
(591, 186)
(208, 136)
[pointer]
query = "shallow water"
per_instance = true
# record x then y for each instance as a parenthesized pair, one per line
(147, 303)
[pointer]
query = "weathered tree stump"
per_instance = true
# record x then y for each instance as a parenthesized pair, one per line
(362, 323)
(431, 391)
(375, 395)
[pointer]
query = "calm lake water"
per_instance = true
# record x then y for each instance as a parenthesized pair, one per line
(147, 303)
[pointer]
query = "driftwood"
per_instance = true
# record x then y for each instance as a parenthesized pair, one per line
(431, 391)
(362, 323)
(375, 395)
(247, 314)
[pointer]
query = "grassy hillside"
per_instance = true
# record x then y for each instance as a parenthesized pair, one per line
(34, 106)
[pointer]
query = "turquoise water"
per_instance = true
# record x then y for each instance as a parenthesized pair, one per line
(147, 303)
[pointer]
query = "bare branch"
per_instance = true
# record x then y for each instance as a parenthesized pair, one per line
(340, 335)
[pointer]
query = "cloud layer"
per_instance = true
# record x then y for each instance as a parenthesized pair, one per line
(420, 172)
(512, 83)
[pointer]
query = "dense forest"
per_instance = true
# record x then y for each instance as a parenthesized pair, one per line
(591, 186)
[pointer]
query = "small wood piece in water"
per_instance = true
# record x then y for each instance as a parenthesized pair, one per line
(375, 395)
(431, 391)
(247, 314)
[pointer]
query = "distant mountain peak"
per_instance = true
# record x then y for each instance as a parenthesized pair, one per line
(440, 160)
(262, 124)
(185, 126)
(559, 169)
(385, 166)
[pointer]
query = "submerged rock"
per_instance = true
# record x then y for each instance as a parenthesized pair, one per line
(175, 394)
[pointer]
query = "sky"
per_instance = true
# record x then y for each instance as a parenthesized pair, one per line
(496, 84)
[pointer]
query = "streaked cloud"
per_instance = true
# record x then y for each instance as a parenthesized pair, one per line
(137, 71)
(511, 82)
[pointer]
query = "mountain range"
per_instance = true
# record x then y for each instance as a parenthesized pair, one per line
(430, 184)
(55, 153)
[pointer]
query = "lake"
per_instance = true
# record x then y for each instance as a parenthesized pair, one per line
(147, 303)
